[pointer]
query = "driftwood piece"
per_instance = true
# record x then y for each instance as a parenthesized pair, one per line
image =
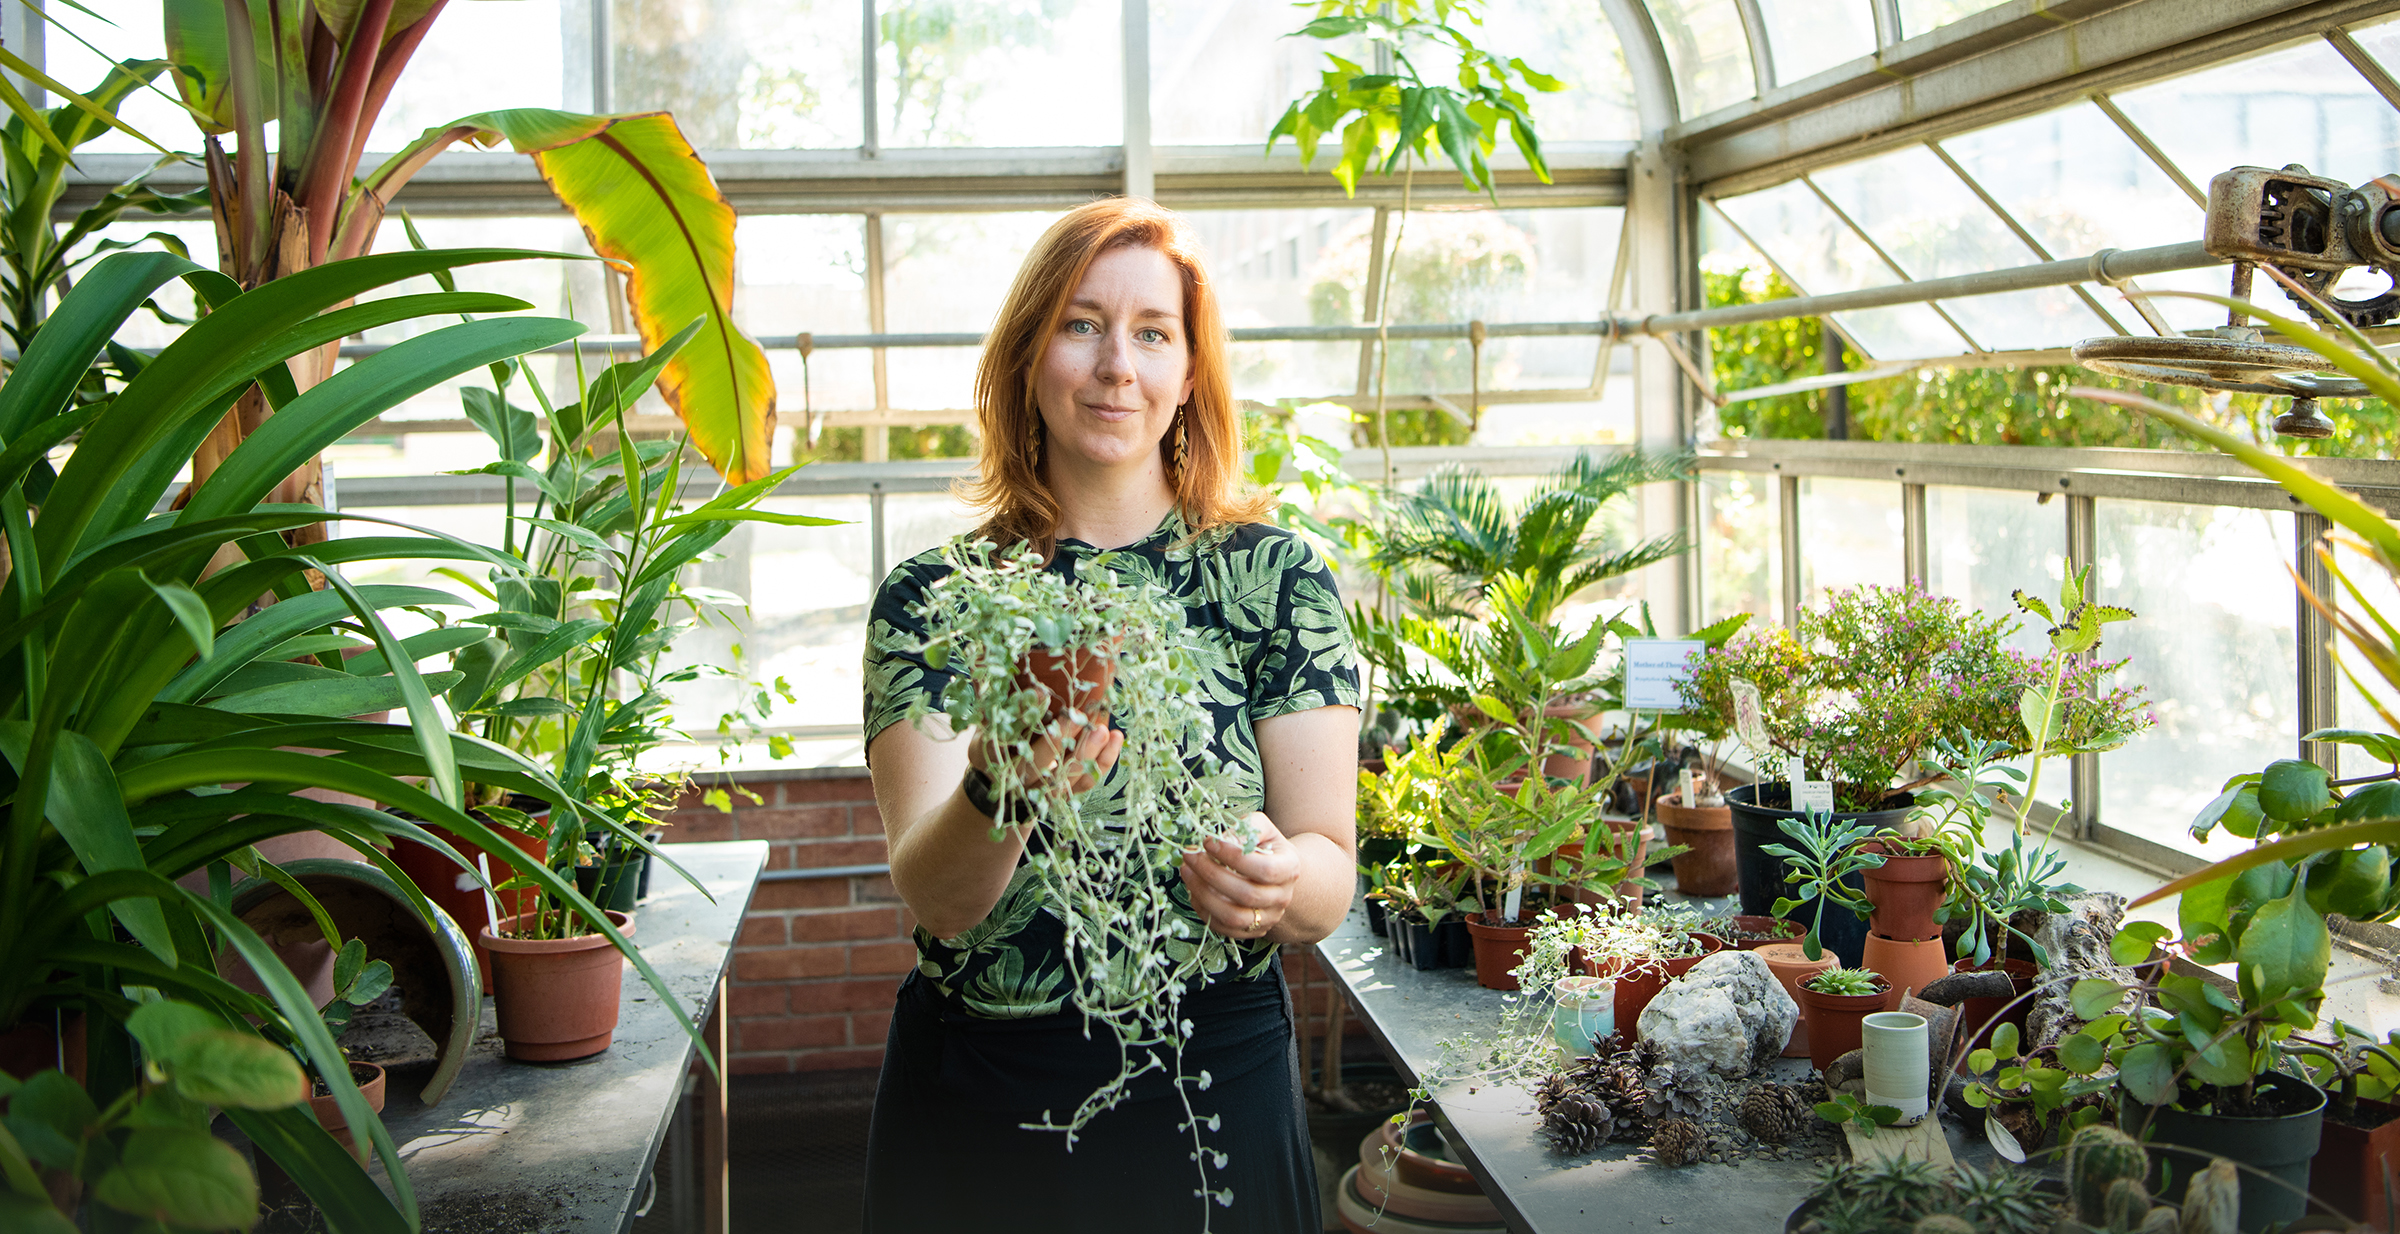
(1957, 988)
(2076, 942)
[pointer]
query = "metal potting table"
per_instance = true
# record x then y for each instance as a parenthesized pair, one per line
(531, 1148)
(1493, 1129)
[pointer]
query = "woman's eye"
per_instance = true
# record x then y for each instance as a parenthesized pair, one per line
(1153, 335)
(1080, 326)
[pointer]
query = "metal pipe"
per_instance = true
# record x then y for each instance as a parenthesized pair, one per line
(869, 870)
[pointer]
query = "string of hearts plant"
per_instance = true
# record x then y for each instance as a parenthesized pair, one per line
(1107, 859)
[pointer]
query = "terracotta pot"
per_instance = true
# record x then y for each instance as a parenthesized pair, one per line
(369, 1079)
(1834, 1022)
(1078, 678)
(2350, 1164)
(457, 892)
(1905, 890)
(44, 1041)
(1975, 1014)
(1909, 967)
(1406, 1186)
(1498, 951)
(556, 998)
(1791, 966)
(1774, 929)
(1420, 1169)
(1636, 986)
(1575, 767)
(1708, 869)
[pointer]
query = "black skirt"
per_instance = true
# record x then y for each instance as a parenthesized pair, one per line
(946, 1149)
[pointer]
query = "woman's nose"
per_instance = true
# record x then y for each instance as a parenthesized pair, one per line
(1115, 362)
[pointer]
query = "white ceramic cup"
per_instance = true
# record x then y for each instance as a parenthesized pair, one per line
(1586, 1013)
(1897, 1064)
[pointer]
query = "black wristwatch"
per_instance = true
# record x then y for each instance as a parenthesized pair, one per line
(978, 788)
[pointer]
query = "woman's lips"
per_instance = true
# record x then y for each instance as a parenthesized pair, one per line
(1112, 413)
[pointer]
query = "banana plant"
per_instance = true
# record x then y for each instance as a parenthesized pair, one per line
(137, 684)
(322, 73)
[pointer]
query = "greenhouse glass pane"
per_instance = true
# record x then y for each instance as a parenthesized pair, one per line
(1921, 213)
(2382, 41)
(1920, 16)
(1984, 545)
(1811, 36)
(2213, 641)
(477, 58)
(1490, 265)
(1574, 43)
(808, 591)
(946, 273)
(1000, 73)
(807, 273)
(1285, 268)
(740, 73)
(2352, 708)
(1849, 535)
(2025, 320)
(139, 34)
(1708, 52)
(2303, 104)
(1820, 254)
(1740, 552)
(1223, 73)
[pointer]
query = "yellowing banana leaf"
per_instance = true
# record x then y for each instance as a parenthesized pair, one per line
(646, 201)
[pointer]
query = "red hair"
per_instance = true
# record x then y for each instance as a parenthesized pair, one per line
(1008, 490)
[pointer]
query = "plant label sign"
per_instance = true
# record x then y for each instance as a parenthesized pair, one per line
(1749, 718)
(1654, 668)
(1813, 795)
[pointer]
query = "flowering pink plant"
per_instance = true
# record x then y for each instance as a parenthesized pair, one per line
(1865, 683)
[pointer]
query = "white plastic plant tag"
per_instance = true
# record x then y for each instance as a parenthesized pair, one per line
(1749, 718)
(1514, 900)
(1654, 668)
(1683, 789)
(2002, 1142)
(1795, 771)
(1813, 795)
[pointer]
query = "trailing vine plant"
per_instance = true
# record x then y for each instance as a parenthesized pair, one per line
(1106, 859)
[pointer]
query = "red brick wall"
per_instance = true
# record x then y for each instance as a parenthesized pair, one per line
(818, 960)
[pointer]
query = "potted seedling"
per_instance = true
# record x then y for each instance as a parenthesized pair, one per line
(2359, 1163)
(1837, 1001)
(357, 981)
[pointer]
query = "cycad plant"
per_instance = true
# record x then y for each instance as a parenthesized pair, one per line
(1445, 545)
(137, 683)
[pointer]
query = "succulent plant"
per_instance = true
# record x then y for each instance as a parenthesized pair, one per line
(2212, 1200)
(1848, 982)
(2097, 1159)
(1943, 1223)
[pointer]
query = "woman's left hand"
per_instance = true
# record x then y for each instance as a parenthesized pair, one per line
(1243, 895)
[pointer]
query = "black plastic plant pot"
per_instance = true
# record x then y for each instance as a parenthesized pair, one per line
(2278, 1144)
(1758, 817)
(1416, 944)
(1453, 946)
(1375, 916)
(615, 881)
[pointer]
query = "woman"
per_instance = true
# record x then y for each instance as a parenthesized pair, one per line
(1108, 423)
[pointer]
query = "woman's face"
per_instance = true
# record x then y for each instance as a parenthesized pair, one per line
(1120, 363)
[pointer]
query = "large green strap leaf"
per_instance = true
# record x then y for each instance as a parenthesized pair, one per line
(84, 806)
(254, 635)
(344, 696)
(645, 199)
(356, 394)
(39, 383)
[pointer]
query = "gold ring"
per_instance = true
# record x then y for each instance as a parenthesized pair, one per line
(1255, 918)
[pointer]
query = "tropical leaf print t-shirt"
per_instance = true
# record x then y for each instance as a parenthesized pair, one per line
(1266, 608)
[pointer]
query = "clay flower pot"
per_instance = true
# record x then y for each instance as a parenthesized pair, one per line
(1708, 869)
(556, 998)
(1077, 678)
(1909, 967)
(1791, 966)
(369, 1079)
(1834, 1022)
(1975, 1014)
(457, 892)
(1637, 985)
(2349, 1167)
(1498, 951)
(1905, 890)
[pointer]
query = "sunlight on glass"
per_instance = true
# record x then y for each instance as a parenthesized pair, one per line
(2303, 104)
(480, 57)
(1849, 535)
(740, 73)
(1822, 255)
(1707, 51)
(2217, 658)
(1575, 44)
(807, 273)
(1920, 16)
(947, 273)
(1000, 73)
(136, 35)
(1811, 36)
(1222, 73)
(1740, 557)
(2353, 709)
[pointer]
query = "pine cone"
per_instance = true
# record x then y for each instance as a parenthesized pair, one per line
(1551, 1091)
(1578, 1123)
(1624, 1083)
(1678, 1141)
(1675, 1092)
(1772, 1112)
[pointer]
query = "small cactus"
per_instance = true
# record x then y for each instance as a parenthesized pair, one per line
(2097, 1158)
(1943, 1223)
(2212, 1201)
(2162, 1220)
(2126, 1205)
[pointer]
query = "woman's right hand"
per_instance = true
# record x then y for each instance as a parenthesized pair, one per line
(1084, 752)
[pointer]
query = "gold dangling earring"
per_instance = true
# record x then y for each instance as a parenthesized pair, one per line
(1033, 442)
(1183, 438)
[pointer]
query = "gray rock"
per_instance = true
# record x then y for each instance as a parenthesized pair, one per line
(1728, 1015)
